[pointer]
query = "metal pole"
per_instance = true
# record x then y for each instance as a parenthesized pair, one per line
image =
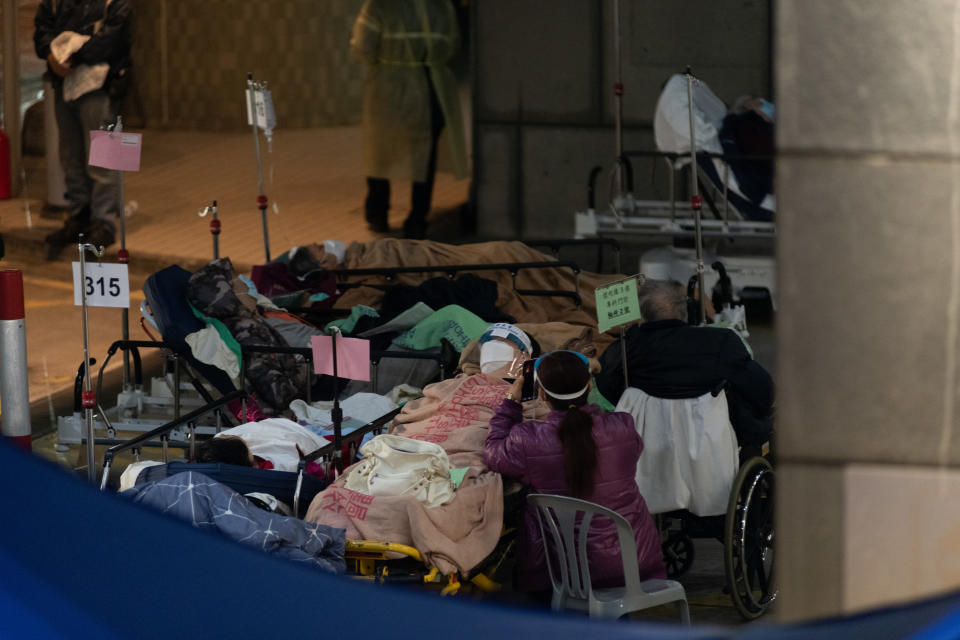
(11, 90)
(696, 203)
(14, 390)
(176, 386)
(123, 257)
(623, 359)
(193, 440)
(88, 396)
(618, 94)
(215, 230)
(252, 87)
(337, 413)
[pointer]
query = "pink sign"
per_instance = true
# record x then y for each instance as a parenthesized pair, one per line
(353, 357)
(119, 151)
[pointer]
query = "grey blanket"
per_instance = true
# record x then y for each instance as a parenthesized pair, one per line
(207, 504)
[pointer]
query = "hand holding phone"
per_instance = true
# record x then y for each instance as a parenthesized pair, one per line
(529, 390)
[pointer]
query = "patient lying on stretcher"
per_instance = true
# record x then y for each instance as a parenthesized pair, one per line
(454, 414)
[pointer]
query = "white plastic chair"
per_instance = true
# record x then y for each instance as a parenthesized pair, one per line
(570, 572)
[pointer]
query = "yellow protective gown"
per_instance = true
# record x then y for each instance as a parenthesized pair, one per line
(396, 39)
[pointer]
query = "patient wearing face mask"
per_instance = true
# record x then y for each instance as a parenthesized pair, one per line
(455, 413)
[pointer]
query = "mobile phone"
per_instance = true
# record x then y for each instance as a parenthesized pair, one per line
(529, 392)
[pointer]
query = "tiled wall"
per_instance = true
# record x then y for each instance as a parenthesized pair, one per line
(300, 47)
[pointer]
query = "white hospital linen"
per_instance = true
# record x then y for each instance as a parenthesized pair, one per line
(689, 457)
(208, 347)
(278, 440)
(363, 407)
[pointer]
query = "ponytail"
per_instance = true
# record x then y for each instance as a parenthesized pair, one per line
(579, 451)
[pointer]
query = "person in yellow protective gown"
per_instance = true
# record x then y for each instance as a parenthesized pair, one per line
(410, 95)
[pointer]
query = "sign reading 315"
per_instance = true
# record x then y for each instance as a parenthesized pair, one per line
(106, 285)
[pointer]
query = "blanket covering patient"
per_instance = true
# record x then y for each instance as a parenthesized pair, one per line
(454, 414)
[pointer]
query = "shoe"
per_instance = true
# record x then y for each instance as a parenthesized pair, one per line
(100, 235)
(58, 240)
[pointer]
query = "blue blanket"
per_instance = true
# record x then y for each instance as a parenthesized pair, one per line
(207, 504)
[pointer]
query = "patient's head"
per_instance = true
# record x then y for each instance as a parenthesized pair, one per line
(226, 449)
(662, 300)
(503, 348)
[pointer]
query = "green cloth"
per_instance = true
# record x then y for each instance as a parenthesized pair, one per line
(225, 334)
(595, 397)
(347, 324)
(452, 323)
(457, 475)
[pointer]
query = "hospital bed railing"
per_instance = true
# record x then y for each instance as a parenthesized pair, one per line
(135, 399)
(329, 453)
(671, 217)
(375, 357)
(162, 433)
(332, 455)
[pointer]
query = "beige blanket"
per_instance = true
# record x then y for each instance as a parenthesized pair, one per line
(457, 536)
(393, 252)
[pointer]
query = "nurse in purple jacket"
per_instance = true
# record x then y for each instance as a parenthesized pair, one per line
(579, 450)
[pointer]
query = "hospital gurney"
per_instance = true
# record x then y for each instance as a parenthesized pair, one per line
(687, 126)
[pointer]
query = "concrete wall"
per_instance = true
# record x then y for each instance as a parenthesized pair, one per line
(868, 184)
(544, 110)
(191, 60)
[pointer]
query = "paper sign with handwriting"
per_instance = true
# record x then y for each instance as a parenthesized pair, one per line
(118, 151)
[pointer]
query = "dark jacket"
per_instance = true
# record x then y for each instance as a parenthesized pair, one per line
(112, 42)
(671, 359)
(532, 453)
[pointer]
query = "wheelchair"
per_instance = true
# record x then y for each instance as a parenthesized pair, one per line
(689, 471)
(747, 534)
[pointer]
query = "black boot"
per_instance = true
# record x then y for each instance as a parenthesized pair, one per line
(377, 204)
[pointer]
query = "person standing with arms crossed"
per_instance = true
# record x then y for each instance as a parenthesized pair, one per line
(92, 192)
(410, 95)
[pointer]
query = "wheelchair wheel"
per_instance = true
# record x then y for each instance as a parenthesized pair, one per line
(748, 539)
(677, 554)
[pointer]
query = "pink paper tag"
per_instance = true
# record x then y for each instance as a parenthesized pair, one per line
(119, 151)
(353, 357)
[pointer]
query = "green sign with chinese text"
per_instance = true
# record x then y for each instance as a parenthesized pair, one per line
(617, 304)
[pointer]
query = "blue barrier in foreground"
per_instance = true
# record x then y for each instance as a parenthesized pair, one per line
(78, 563)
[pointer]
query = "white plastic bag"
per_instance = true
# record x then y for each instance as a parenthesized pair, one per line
(671, 121)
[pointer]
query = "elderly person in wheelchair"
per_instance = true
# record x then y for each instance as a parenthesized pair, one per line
(669, 359)
(704, 410)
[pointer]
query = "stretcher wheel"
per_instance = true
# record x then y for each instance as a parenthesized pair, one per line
(677, 554)
(749, 541)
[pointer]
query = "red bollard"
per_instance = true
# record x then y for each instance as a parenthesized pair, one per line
(14, 392)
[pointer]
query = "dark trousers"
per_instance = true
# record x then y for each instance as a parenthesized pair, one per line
(91, 191)
(378, 189)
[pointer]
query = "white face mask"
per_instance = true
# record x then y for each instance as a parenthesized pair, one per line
(496, 355)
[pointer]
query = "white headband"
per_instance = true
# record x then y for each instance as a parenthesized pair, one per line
(561, 396)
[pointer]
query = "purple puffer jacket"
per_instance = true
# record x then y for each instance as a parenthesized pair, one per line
(532, 453)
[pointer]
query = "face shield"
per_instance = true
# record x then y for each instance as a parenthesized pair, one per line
(503, 350)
